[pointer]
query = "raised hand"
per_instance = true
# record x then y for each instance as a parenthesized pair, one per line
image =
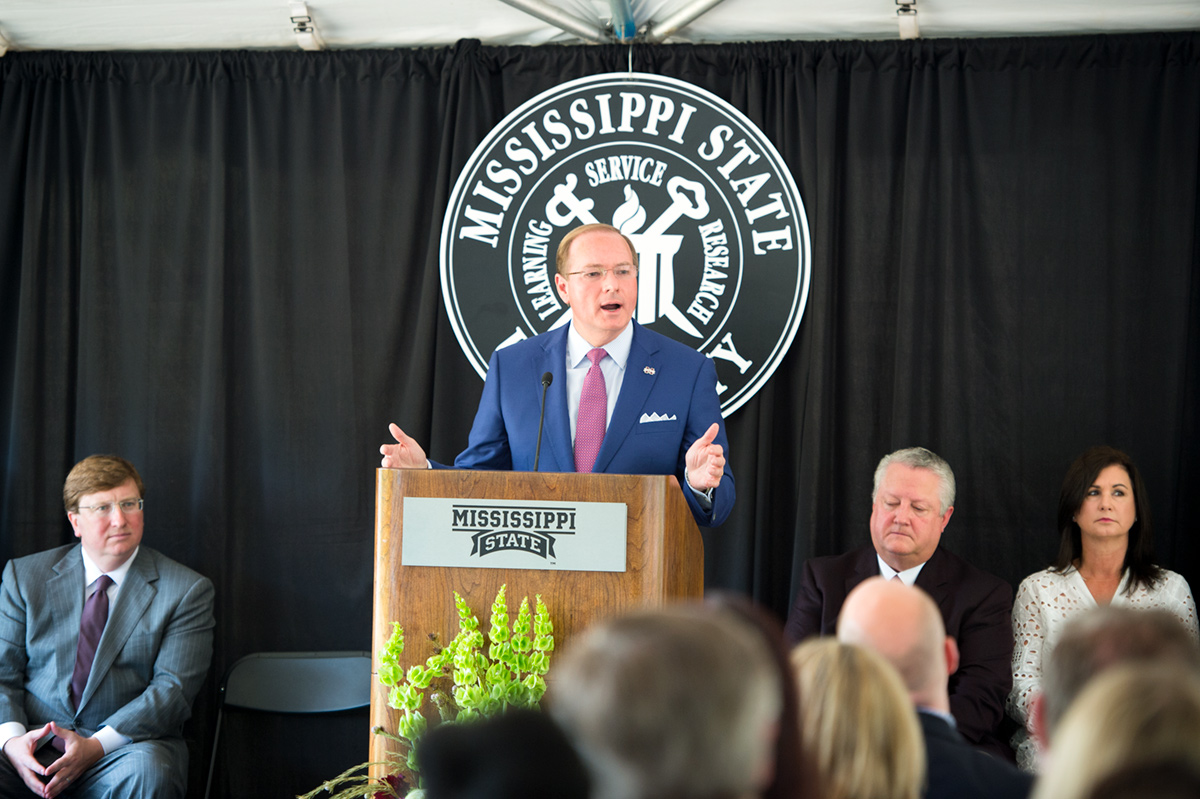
(406, 453)
(705, 461)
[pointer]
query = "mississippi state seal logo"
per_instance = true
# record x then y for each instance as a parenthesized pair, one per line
(720, 229)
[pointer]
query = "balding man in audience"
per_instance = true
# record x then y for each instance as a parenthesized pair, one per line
(912, 502)
(682, 702)
(1096, 641)
(903, 624)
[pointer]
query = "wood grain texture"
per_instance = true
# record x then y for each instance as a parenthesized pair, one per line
(664, 562)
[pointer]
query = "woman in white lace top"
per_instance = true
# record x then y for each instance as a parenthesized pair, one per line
(1105, 557)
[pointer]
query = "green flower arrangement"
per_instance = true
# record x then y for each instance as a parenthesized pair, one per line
(487, 675)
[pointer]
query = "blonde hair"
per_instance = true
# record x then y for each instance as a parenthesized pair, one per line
(1128, 715)
(860, 728)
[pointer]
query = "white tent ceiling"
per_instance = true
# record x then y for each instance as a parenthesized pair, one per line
(242, 24)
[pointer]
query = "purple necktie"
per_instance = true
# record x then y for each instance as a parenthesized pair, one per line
(95, 615)
(593, 414)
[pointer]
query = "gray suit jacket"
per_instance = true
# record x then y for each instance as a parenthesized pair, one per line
(149, 665)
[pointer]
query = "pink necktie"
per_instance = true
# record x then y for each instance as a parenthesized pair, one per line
(593, 414)
(91, 625)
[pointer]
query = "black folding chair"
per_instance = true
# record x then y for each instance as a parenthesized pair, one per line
(293, 682)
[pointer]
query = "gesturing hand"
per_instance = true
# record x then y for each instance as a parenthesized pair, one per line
(705, 461)
(406, 453)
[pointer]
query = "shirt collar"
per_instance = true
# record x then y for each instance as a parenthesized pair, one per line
(908, 576)
(946, 717)
(617, 349)
(91, 572)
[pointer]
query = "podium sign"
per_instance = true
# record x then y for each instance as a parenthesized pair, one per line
(514, 534)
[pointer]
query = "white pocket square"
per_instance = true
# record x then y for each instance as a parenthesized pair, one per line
(655, 417)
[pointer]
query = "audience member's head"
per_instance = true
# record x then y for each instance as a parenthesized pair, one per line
(1153, 779)
(521, 754)
(1100, 639)
(904, 625)
(859, 727)
(1130, 715)
(682, 702)
(791, 773)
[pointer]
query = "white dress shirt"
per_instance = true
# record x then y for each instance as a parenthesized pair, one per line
(908, 576)
(612, 366)
(108, 737)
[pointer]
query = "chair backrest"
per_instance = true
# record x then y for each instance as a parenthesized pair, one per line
(293, 682)
(299, 682)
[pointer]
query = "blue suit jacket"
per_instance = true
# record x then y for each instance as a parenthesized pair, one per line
(662, 377)
(149, 665)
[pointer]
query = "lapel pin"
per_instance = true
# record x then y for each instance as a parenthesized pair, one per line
(648, 370)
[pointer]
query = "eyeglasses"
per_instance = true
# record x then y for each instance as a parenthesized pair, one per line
(596, 275)
(127, 506)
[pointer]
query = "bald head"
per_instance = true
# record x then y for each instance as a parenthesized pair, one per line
(904, 626)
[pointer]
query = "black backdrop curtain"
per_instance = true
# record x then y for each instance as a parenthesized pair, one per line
(223, 266)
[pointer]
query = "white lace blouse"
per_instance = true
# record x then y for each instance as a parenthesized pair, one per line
(1045, 601)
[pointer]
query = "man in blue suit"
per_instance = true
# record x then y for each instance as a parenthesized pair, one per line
(658, 410)
(114, 729)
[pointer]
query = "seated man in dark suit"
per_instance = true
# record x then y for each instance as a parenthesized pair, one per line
(904, 626)
(913, 500)
(103, 647)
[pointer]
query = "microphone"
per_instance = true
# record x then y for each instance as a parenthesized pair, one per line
(547, 379)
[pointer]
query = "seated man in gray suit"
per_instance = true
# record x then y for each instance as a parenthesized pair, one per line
(903, 624)
(103, 647)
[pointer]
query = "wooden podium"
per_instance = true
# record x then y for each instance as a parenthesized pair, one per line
(664, 561)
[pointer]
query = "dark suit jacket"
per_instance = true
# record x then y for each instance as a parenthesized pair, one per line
(149, 664)
(956, 770)
(976, 607)
(664, 379)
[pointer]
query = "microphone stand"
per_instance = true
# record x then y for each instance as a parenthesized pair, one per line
(547, 379)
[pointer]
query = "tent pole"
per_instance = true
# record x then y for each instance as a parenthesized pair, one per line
(589, 31)
(661, 30)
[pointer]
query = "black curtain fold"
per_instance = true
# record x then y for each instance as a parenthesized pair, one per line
(224, 266)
